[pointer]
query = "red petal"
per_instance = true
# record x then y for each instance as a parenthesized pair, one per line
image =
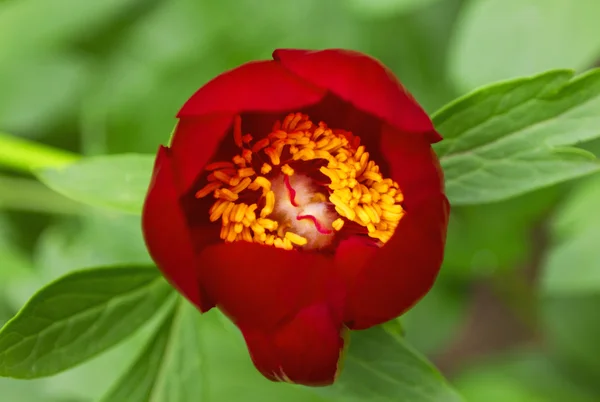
(402, 271)
(384, 283)
(262, 286)
(261, 86)
(166, 234)
(362, 81)
(413, 165)
(305, 350)
(195, 141)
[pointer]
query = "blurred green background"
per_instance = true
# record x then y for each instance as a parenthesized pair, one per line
(515, 314)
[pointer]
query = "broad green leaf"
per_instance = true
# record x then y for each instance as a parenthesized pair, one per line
(513, 137)
(89, 381)
(77, 317)
(138, 382)
(380, 366)
(195, 357)
(571, 266)
(387, 7)
(502, 39)
(117, 181)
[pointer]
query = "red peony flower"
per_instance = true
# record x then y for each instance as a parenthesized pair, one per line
(301, 196)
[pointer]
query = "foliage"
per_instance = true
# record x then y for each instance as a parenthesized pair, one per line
(517, 101)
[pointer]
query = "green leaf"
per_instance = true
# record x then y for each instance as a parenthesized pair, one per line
(571, 266)
(381, 367)
(203, 357)
(512, 137)
(116, 181)
(502, 39)
(77, 317)
(138, 382)
(199, 357)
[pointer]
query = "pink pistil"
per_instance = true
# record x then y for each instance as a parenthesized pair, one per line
(318, 225)
(290, 189)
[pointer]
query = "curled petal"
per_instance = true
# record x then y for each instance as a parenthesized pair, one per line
(306, 350)
(413, 165)
(195, 141)
(403, 270)
(362, 81)
(262, 86)
(261, 286)
(166, 234)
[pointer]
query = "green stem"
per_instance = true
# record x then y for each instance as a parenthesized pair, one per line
(24, 155)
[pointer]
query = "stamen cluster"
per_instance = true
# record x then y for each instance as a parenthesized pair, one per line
(354, 189)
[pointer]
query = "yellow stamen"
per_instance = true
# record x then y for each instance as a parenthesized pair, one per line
(218, 165)
(338, 224)
(250, 215)
(218, 211)
(246, 172)
(260, 145)
(209, 188)
(296, 239)
(265, 168)
(226, 213)
(269, 204)
(238, 214)
(274, 155)
(222, 176)
(241, 186)
(268, 224)
(357, 188)
(287, 170)
(247, 155)
(226, 194)
(259, 182)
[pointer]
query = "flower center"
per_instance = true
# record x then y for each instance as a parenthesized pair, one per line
(299, 187)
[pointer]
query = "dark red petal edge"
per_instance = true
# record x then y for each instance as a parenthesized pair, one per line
(259, 86)
(393, 278)
(307, 350)
(404, 270)
(364, 82)
(195, 141)
(166, 233)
